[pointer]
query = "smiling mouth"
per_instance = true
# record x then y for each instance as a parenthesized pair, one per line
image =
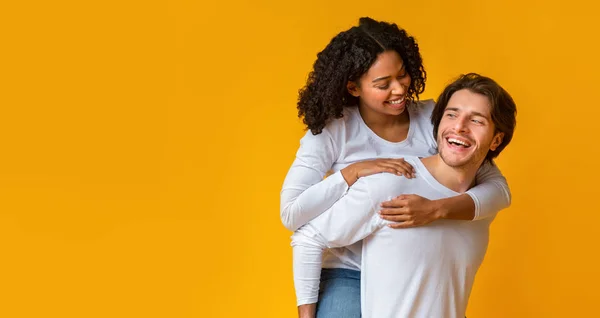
(396, 102)
(457, 142)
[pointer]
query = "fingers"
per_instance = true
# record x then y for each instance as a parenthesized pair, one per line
(397, 218)
(380, 167)
(402, 167)
(392, 211)
(403, 197)
(405, 167)
(397, 169)
(391, 168)
(395, 166)
(395, 203)
(403, 225)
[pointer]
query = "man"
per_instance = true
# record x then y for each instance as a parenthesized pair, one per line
(425, 271)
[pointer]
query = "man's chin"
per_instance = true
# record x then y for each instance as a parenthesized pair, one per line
(456, 160)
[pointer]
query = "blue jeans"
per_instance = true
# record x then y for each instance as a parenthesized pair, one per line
(339, 294)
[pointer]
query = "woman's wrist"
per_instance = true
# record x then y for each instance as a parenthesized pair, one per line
(349, 175)
(460, 207)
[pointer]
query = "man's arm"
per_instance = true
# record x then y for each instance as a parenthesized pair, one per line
(353, 217)
(349, 220)
(307, 311)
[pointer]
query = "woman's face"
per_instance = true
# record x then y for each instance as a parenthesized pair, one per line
(384, 87)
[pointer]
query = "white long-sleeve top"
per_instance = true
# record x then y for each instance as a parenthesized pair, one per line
(305, 194)
(424, 271)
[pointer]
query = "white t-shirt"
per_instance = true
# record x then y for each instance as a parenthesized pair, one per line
(425, 271)
(305, 194)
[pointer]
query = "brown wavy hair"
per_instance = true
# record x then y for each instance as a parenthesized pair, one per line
(503, 112)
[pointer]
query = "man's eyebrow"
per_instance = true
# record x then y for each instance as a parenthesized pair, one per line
(479, 114)
(455, 109)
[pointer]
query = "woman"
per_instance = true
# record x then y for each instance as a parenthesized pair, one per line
(359, 105)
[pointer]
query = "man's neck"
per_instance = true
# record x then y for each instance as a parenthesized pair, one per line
(458, 179)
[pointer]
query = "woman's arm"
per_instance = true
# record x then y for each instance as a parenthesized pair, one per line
(491, 194)
(305, 194)
(486, 199)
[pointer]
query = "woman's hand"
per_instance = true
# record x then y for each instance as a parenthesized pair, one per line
(365, 168)
(410, 210)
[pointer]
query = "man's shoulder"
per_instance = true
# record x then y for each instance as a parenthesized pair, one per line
(421, 112)
(423, 108)
(413, 160)
(384, 186)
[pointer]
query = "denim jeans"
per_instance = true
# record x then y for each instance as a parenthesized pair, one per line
(339, 294)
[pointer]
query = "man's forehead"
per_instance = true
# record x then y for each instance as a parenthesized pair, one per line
(466, 101)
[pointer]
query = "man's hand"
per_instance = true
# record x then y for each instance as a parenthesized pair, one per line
(410, 210)
(307, 311)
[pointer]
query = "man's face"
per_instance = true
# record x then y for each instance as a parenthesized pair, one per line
(466, 132)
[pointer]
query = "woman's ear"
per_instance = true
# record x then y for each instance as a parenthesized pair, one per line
(353, 88)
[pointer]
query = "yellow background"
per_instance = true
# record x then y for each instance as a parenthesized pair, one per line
(144, 145)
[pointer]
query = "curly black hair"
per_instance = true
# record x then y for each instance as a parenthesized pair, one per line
(347, 57)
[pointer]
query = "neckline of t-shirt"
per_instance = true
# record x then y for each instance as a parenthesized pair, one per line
(411, 123)
(425, 174)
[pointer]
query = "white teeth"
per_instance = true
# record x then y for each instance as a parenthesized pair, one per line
(456, 141)
(396, 101)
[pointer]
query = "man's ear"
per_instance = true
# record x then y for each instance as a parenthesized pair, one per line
(497, 141)
(353, 89)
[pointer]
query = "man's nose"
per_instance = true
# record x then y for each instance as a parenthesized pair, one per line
(461, 124)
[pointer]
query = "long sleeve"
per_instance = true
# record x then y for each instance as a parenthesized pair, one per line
(491, 193)
(349, 220)
(305, 194)
(308, 250)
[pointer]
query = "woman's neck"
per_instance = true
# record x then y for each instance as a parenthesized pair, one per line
(393, 128)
